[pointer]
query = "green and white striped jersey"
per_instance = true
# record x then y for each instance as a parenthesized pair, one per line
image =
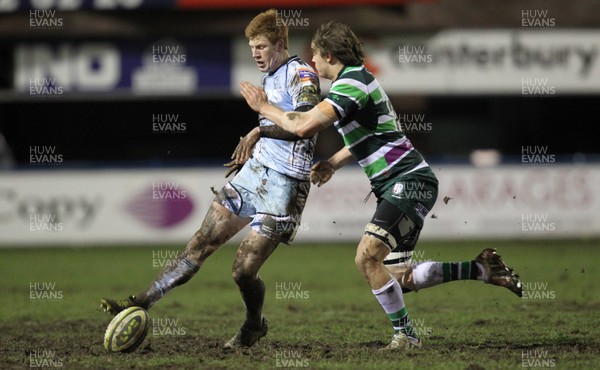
(369, 126)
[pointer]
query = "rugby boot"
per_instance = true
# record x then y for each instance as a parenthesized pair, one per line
(113, 306)
(247, 337)
(403, 341)
(498, 273)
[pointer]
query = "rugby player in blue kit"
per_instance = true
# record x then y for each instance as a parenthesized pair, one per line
(269, 191)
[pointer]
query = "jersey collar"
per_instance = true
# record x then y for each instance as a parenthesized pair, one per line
(282, 64)
(343, 70)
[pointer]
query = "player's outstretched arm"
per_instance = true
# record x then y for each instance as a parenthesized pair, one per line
(340, 159)
(303, 124)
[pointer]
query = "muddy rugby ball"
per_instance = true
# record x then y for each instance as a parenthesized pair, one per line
(127, 330)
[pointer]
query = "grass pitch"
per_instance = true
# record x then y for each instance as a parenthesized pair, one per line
(321, 312)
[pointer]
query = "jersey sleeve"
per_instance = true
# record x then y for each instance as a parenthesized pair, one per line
(347, 96)
(305, 90)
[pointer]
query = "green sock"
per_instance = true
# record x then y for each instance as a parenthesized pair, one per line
(467, 270)
(401, 322)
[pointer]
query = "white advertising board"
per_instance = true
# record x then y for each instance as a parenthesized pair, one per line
(527, 62)
(55, 208)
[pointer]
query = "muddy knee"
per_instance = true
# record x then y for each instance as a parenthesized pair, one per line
(240, 270)
(242, 273)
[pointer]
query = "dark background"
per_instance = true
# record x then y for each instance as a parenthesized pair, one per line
(120, 132)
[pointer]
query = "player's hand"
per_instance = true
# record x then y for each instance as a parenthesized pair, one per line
(242, 151)
(321, 172)
(234, 168)
(255, 97)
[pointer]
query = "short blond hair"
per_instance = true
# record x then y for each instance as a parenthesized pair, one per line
(266, 24)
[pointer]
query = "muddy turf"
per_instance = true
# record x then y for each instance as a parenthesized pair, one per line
(321, 313)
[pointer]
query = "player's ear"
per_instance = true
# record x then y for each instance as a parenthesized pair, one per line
(279, 45)
(329, 58)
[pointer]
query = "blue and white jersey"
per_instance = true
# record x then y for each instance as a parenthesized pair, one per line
(293, 86)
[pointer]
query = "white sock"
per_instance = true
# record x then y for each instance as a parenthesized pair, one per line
(391, 299)
(427, 274)
(390, 296)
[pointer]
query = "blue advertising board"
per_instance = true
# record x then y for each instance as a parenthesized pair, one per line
(164, 66)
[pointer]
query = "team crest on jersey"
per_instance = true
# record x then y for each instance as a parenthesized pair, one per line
(398, 188)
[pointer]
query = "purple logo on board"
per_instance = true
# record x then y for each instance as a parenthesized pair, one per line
(163, 205)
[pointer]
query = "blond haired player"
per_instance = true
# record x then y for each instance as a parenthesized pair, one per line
(268, 192)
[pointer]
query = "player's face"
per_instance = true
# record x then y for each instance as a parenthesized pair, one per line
(268, 56)
(321, 63)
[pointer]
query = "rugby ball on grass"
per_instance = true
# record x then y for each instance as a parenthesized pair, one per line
(127, 330)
